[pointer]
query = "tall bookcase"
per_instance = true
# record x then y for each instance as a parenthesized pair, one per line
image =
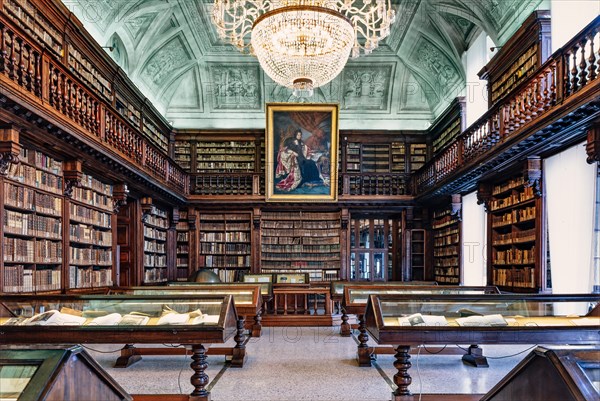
(398, 164)
(182, 247)
(515, 235)
(90, 235)
(225, 156)
(32, 224)
(416, 253)
(301, 242)
(446, 227)
(155, 226)
(225, 244)
(368, 158)
(183, 154)
(418, 156)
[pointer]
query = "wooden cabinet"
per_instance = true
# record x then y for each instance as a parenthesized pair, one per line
(225, 244)
(301, 242)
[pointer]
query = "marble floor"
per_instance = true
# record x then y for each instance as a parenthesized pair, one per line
(309, 363)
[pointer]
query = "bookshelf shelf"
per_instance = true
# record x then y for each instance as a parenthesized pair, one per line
(301, 242)
(225, 244)
(446, 229)
(182, 247)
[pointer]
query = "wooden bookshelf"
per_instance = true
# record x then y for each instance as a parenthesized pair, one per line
(368, 158)
(225, 244)
(32, 224)
(32, 20)
(128, 110)
(90, 235)
(301, 242)
(85, 70)
(183, 154)
(182, 247)
(225, 156)
(153, 133)
(416, 253)
(398, 163)
(446, 229)
(514, 222)
(418, 156)
(155, 226)
(519, 57)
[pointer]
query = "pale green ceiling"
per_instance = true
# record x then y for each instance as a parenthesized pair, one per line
(171, 51)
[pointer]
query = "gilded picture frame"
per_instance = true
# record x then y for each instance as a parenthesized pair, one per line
(301, 145)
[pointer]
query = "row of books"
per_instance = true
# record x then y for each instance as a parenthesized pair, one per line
(513, 183)
(228, 276)
(224, 226)
(86, 215)
(183, 236)
(515, 237)
(223, 261)
(300, 256)
(93, 198)
(225, 217)
(91, 256)
(36, 178)
(229, 248)
(446, 232)
(19, 278)
(269, 232)
(513, 199)
(515, 216)
(319, 216)
(29, 199)
(182, 261)
(182, 248)
(524, 278)
(155, 275)
(282, 240)
(449, 262)
(157, 221)
(85, 70)
(155, 260)
(153, 246)
(446, 251)
(225, 237)
(515, 256)
(155, 234)
(447, 279)
(33, 21)
(447, 271)
(445, 241)
(300, 248)
(41, 161)
(296, 264)
(444, 221)
(31, 251)
(89, 235)
(86, 277)
(32, 225)
(320, 225)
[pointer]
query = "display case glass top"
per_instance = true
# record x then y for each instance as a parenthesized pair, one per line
(337, 287)
(102, 318)
(355, 295)
(265, 287)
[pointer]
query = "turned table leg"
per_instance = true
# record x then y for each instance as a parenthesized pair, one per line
(239, 351)
(199, 379)
(257, 327)
(128, 357)
(345, 329)
(364, 351)
(402, 379)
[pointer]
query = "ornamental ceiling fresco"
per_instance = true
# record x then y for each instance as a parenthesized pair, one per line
(171, 51)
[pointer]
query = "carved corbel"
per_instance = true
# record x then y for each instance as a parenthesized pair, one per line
(120, 192)
(175, 217)
(456, 206)
(146, 204)
(593, 144)
(484, 195)
(72, 174)
(533, 174)
(10, 148)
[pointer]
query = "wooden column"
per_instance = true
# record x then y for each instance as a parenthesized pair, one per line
(10, 148)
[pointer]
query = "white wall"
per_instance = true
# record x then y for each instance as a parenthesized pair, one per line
(475, 93)
(569, 17)
(570, 186)
(474, 254)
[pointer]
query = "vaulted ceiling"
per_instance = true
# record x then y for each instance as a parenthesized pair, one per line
(170, 49)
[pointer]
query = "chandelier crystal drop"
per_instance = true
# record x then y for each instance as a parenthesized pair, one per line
(303, 44)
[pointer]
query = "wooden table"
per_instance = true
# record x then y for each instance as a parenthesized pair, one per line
(531, 329)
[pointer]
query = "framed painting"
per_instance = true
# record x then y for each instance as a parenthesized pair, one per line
(301, 152)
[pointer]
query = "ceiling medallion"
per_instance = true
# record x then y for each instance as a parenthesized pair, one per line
(303, 44)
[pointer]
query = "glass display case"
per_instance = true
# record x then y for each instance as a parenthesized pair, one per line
(405, 320)
(147, 319)
(568, 373)
(50, 374)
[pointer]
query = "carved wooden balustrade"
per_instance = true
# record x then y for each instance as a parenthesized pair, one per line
(226, 184)
(570, 72)
(380, 184)
(37, 72)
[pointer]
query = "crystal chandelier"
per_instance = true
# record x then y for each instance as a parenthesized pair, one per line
(303, 44)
